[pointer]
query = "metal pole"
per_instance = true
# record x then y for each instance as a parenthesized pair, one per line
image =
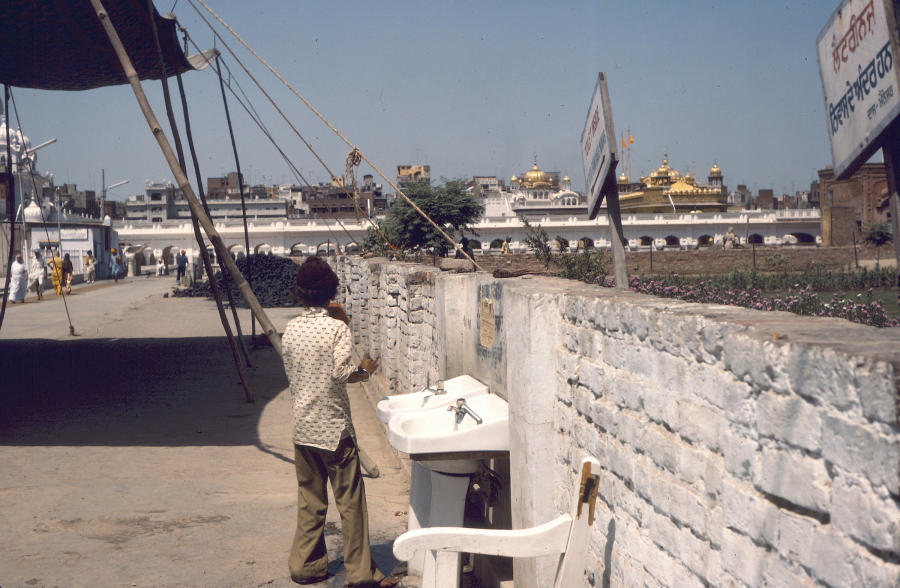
(616, 233)
(891, 151)
(183, 182)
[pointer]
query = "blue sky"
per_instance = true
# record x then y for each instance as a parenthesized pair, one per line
(475, 88)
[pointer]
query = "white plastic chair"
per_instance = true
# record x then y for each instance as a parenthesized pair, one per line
(567, 535)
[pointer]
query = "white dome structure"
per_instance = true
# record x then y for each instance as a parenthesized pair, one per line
(19, 145)
(33, 213)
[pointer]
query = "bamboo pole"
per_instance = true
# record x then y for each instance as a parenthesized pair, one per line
(10, 207)
(213, 284)
(204, 254)
(240, 179)
(180, 177)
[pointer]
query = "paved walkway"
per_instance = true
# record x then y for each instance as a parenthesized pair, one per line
(131, 458)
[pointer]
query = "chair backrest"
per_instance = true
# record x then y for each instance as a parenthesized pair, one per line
(567, 535)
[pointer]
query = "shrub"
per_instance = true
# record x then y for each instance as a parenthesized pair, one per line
(588, 265)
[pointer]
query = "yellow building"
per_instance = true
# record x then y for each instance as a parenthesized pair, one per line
(666, 190)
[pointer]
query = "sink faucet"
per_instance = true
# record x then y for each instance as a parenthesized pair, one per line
(462, 409)
(437, 388)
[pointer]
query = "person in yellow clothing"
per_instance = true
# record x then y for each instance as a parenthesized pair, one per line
(56, 269)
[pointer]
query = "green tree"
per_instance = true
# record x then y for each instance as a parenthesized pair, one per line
(876, 235)
(450, 206)
(375, 244)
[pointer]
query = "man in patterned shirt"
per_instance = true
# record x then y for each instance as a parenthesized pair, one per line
(318, 361)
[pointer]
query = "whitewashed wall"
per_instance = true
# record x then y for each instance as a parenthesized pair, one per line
(740, 448)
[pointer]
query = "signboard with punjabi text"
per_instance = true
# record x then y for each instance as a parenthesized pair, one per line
(598, 146)
(861, 86)
(74, 234)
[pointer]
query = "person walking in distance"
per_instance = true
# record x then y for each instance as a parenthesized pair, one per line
(67, 271)
(115, 264)
(318, 363)
(90, 267)
(56, 272)
(37, 273)
(18, 284)
(181, 261)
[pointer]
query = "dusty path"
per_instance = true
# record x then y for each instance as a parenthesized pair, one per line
(130, 457)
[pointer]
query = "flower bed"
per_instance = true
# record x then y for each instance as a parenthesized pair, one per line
(803, 302)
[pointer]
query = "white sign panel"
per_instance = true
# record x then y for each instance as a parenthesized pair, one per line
(856, 51)
(598, 144)
(74, 234)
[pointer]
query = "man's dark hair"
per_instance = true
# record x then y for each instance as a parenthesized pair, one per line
(315, 297)
(317, 284)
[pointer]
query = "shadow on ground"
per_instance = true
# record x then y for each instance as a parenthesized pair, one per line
(131, 392)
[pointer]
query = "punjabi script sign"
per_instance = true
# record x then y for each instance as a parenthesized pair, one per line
(856, 52)
(598, 145)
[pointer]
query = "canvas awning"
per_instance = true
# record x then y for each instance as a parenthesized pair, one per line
(61, 45)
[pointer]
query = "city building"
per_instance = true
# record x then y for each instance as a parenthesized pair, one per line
(164, 201)
(336, 200)
(665, 190)
(411, 174)
(532, 194)
(765, 200)
(848, 205)
(741, 198)
(70, 199)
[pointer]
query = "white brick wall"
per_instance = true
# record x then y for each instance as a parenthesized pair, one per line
(732, 456)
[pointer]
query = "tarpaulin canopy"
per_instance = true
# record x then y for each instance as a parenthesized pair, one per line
(61, 45)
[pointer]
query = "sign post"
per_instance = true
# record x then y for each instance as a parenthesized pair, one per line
(861, 86)
(598, 152)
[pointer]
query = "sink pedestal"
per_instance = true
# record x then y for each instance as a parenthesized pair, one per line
(448, 503)
(419, 509)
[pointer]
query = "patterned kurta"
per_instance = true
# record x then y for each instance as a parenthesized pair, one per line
(318, 361)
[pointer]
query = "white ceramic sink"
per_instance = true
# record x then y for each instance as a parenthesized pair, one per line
(436, 430)
(458, 387)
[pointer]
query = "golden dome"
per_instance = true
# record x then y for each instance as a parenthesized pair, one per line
(566, 179)
(715, 170)
(664, 175)
(536, 179)
(514, 179)
(663, 170)
(623, 178)
(535, 176)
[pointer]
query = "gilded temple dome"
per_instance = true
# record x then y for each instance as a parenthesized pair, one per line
(537, 179)
(715, 170)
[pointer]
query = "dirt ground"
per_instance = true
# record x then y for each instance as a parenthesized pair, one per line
(131, 458)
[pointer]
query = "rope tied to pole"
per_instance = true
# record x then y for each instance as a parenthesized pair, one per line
(353, 159)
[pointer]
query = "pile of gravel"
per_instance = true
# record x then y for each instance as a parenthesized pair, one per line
(274, 279)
